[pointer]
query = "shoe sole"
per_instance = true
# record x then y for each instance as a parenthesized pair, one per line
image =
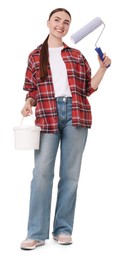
(64, 243)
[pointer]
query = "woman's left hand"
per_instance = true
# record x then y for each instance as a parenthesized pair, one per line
(106, 62)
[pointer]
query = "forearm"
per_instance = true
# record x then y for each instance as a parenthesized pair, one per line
(31, 101)
(95, 81)
(97, 78)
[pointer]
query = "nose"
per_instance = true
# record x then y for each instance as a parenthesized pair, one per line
(61, 24)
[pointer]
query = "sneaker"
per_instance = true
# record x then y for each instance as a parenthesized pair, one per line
(63, 239)
(30, 244)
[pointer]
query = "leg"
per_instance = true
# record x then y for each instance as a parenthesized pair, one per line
(41, 187)
(72, 146)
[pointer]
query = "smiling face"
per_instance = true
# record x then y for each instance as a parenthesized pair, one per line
(58, 24)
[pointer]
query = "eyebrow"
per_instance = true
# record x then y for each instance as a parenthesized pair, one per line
(60, 19)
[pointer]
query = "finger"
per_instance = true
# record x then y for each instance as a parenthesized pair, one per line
(107, 61)
(25, 112)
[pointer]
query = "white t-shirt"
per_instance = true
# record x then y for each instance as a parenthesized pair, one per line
(59, 73)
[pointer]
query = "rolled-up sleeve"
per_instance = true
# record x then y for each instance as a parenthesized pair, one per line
(30, 83)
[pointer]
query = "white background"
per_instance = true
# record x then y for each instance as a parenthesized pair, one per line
(99, 220)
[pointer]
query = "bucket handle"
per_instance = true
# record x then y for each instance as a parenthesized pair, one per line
(24, 117)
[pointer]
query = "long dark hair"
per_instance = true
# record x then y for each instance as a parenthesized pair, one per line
(44, 48)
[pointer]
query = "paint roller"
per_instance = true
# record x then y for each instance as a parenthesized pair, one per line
(88, 28)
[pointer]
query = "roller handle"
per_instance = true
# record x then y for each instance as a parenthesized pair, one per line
(100, 53)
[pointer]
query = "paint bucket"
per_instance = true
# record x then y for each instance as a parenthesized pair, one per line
(27, 137)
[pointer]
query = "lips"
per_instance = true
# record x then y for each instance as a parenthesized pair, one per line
(60, 30)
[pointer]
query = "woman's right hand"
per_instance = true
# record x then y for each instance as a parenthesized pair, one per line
(27, 109)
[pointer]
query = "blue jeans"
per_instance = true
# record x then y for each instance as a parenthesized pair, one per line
(72, 143)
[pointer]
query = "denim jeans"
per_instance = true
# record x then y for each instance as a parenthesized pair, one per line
(72, 142)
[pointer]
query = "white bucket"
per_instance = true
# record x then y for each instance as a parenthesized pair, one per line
(27, 137)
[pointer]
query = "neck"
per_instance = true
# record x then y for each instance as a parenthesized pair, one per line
(54, 42)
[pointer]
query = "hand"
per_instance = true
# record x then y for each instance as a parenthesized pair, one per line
(106, 62)
(27, 109)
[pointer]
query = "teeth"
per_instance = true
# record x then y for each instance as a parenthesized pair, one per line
(59, 30)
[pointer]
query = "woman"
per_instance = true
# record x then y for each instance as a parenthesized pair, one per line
(58, 81)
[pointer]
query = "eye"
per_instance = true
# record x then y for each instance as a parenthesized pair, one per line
(67, 23)
(56, 19)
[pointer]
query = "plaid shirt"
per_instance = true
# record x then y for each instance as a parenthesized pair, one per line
(79, 78)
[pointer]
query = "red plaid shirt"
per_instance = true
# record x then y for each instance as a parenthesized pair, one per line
(79, 78)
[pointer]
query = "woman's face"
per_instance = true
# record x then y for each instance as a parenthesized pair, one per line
(59, 24)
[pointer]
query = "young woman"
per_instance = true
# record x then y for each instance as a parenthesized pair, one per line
(58, 81)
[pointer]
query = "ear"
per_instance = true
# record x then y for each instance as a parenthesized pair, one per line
(48, 23)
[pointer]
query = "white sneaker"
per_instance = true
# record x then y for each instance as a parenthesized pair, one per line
(63, 239)
(30, 244)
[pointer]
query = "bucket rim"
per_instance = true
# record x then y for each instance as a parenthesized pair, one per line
(31, 128)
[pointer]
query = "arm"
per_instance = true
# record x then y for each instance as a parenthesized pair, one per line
(30, 86)
(97, 78)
